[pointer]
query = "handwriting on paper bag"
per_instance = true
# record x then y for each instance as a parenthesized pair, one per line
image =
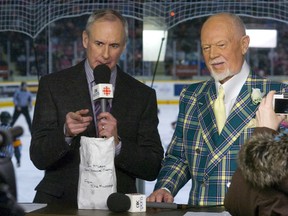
(92, 185)
(94, 168)
(97, 168)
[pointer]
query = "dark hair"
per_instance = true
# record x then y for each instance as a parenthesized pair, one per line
(23, 84)
(5, 117)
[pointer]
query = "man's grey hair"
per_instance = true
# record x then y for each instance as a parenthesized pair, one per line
(109, 15)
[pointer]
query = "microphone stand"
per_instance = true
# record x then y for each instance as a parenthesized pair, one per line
(154, 73)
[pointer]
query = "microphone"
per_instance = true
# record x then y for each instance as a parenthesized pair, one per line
(103, 90)
(163, 205)
(6, 136)
(119, 202)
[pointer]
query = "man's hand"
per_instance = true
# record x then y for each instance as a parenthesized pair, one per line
(107, 126)
(265, 115)
(77, 122)
(160, 195)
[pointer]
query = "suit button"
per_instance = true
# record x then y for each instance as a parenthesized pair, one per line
(198, 151)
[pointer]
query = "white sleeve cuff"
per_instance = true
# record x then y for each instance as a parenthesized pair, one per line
(166, 189)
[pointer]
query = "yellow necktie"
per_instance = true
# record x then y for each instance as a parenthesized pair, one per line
(219, 109)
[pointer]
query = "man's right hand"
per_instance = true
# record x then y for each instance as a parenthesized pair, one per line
(77, 122)
(160, 195)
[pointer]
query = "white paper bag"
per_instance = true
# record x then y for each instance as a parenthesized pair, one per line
(97, 176)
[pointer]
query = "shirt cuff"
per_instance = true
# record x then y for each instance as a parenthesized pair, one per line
(67, 139)
(164, 188)
(118, 148)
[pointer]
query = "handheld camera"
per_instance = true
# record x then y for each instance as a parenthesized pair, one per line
(280, 103)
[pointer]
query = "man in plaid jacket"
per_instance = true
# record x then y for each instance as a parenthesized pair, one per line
(197, 150)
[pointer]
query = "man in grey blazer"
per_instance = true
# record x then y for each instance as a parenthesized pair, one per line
(64, 112)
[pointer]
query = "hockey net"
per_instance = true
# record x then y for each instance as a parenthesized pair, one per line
(32, 16)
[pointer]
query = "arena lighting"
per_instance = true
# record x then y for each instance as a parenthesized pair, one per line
(152, 40)
(262, 38)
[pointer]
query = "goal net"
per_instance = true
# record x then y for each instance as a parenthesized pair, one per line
(32, 16)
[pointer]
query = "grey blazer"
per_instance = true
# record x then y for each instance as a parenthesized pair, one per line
(135, 108)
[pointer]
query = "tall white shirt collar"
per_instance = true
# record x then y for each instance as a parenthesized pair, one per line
(233, 87)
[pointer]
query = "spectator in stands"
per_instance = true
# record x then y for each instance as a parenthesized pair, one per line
(22, 104)
(259, 185)
(204, 148)
(64, 111)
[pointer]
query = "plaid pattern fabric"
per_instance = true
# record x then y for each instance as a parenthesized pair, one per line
(198, 152)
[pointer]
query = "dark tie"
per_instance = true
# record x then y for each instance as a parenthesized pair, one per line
(97, 108)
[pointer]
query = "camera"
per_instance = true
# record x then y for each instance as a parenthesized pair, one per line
(280, 104)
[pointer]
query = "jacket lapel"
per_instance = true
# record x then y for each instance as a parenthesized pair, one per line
(206, 114)
(241, 114)
(120, 100)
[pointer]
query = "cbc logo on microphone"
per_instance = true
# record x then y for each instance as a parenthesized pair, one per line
(102, 91)
(107, 90)
(138, 202)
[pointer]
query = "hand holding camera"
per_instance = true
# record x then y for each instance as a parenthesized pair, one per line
(280, 103)
(266, 115)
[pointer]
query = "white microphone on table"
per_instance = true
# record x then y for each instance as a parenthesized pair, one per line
(103, 90)
(119, 202)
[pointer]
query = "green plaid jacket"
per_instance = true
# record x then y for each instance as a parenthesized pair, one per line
(198, 152)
